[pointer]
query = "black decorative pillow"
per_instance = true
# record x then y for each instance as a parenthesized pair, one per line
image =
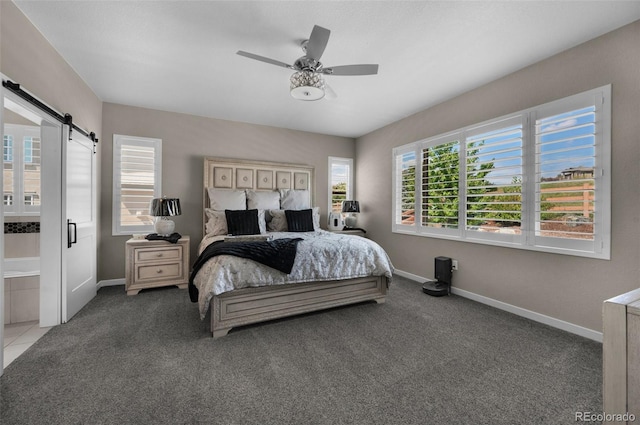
(242, 222)
(299, 220)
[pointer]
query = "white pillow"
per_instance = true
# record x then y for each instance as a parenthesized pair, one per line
(221, 199)
(278, 221)
(265, 200)
(217, 222)
(294, 199)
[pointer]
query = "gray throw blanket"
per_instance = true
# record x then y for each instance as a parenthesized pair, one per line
(278, 254)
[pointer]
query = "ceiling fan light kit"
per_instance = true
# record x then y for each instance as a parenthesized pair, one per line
(307, 85)
(307, 82)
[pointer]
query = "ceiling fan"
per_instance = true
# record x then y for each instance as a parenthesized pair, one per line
(307, 82)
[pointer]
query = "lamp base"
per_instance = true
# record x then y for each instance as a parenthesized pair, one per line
(164, 227)
(350, 220)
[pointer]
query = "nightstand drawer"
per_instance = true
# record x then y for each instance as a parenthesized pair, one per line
(158, 272)
(151, 264)
(158, 254)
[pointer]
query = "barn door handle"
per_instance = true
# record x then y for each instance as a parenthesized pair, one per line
(70, 240)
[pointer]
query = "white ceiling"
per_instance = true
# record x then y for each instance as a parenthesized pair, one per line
(181, 55)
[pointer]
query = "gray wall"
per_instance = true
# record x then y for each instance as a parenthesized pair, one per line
(565, 287)
(29, 59)
(186, 140)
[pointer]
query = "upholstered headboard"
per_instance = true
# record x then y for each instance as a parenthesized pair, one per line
(237, 174)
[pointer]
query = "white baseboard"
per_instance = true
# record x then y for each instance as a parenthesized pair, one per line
(532, 315)
(110, 282)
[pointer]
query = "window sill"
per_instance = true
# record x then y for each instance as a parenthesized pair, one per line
(604, 255)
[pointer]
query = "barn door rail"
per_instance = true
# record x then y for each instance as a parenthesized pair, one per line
(65, 119)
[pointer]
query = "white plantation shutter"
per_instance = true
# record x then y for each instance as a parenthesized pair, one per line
(493, 179)
(404, 189)
(538, 179)
(137, 176)
(572, 207)
(440, 183)
(565, 174)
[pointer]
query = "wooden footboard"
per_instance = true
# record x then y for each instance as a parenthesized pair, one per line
(253, 305)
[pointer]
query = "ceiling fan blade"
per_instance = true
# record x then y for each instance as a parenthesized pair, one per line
(263, 59)
(317, 42)
(328, 92)
(363, 69)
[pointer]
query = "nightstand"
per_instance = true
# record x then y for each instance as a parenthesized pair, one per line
(150, 264)
(355, 232)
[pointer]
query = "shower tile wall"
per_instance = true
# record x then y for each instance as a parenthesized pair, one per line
(21, 299)
(21, 237)
(21, 294)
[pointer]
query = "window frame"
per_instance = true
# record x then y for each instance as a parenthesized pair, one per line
(348, 162)
(119, 141)
(19, 135)
(599, 247)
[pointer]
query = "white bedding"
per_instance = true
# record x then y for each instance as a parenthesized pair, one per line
(321, 256)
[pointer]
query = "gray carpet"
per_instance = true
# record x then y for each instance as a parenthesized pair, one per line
(148, 359)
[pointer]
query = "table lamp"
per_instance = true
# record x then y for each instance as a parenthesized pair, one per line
(351, 208)
(161, 208)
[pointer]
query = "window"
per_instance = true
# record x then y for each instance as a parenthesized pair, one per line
(537, 179)
(31, 171)
(137, 177)
(28, 150)
(439, 187)
(21, 169)
(405, 189)
(7, 169)
(493, 176)
(340, 182)
(31, 199)
(7, 148)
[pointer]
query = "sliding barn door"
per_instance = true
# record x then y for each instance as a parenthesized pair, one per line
(79, 210)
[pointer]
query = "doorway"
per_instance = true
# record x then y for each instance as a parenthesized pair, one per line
(60, 211)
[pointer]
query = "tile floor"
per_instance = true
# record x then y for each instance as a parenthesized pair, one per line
(20, 336)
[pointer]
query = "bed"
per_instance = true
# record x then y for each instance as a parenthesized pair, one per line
(328, 269)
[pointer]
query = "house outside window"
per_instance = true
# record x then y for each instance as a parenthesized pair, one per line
(7, 148)
(537, 179)
(340, 182)
(28, 150)
(137, 177)
(7, 169)
(21, 169)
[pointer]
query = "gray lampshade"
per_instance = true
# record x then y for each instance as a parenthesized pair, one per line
(350, 207)
(164, 207)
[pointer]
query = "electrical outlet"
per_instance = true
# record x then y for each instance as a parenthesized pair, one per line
(454, 264)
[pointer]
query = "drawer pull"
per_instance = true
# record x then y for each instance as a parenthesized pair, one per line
(159, 255)
(159, 271)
